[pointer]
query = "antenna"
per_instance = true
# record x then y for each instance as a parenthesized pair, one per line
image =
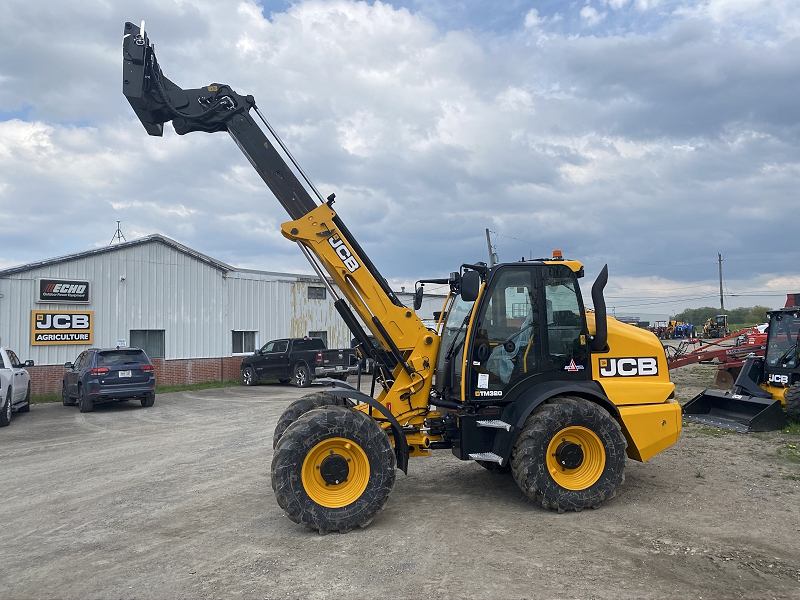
(118, 235)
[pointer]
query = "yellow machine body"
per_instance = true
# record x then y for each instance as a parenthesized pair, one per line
(635, 376)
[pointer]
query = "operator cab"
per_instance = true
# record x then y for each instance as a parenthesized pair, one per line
(782, 347)
(526, 327)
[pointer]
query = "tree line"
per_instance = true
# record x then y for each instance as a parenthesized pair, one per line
(749, 315)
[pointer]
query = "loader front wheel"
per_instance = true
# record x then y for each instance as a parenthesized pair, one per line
(792, 399)
(333, 469)
(301, 406)
(570, 455)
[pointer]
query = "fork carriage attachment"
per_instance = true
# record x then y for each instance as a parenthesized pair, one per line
(747, 408)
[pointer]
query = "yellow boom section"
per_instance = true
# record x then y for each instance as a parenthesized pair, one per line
(407, 398)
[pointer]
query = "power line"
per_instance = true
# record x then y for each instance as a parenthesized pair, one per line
(630, 262)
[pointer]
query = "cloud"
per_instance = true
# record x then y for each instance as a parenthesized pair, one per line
(591, 16)
(647, 136)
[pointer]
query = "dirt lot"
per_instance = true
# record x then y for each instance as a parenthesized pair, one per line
(175, 501)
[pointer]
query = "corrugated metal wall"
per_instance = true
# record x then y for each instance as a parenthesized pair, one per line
(196, 304)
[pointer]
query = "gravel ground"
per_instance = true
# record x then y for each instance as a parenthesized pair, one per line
(174, 501)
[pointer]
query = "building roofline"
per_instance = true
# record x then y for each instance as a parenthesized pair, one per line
(153, 238)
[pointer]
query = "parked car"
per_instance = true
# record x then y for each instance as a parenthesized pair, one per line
(298, 360)
(15, 385)
(106, 375)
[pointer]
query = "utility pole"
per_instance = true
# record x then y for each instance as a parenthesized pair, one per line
(492, 255)
(721, 299)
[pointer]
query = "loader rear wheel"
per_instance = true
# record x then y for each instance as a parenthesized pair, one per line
(333, 469)
(301, 406)
(570, 455)
(792, 399)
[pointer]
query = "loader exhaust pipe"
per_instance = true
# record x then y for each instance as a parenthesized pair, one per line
(599, 342)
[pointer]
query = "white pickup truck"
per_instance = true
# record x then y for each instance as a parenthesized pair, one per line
(15, 385)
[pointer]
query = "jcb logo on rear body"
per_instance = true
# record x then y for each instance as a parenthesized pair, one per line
(783, 379)
(344, 252)
(629, 367)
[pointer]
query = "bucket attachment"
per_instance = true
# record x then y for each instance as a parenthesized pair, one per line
(748, 408)
(739, 412)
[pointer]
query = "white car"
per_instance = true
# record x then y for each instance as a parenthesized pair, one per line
(15, 385)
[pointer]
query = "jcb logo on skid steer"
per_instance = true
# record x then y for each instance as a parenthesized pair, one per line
(773, 378)
(344, 253)
(628, 367)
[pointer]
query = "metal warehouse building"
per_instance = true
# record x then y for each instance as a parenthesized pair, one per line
(194, 315)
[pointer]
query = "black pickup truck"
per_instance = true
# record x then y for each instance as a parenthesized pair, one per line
(298, 360)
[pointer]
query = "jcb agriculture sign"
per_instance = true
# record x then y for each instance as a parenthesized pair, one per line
(50, 327)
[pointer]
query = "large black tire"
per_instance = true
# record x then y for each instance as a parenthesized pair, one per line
(85, 404)
(66, 399)
(301, 406)
(562, 429)
(27, 406)
(249, 376)
(5, 414)
(301, 376)
(148, 400)
(359, 451)
(792, 399)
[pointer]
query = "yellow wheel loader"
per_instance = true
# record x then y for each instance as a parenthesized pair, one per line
(518, 375)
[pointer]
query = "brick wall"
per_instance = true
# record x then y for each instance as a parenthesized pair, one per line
(46, 379)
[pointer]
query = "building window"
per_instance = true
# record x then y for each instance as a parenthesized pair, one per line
(319, 334)
(317, 293)
(149, 340)
(244, 342)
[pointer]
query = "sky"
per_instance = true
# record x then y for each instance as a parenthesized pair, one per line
(648, 135)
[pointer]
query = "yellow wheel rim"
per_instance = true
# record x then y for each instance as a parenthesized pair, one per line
(591, 465)
(329, 456)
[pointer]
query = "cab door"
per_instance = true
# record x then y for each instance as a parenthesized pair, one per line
(530, 327)
(506, 345)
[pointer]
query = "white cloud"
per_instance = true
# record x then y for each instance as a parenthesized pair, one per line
(591, 16)
(615, 147)
(532, 18)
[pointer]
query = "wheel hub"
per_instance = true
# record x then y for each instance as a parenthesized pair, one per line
(334, 469)
(569, 454)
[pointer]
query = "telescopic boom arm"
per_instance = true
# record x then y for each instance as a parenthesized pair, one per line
(410, 349)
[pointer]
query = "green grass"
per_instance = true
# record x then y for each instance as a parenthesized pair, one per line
(161, 389)
(715, 431)
(187, 387)
(45, 398)
(792, 428)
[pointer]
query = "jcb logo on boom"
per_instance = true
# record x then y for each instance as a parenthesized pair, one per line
(629, 367)
(344, 252)
(783, 379)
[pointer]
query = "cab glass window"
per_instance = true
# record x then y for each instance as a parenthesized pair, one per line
(565, 334)
(783, 332)
(507, 334)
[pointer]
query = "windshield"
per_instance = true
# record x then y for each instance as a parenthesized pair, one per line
(783, 329)
(453, 331)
